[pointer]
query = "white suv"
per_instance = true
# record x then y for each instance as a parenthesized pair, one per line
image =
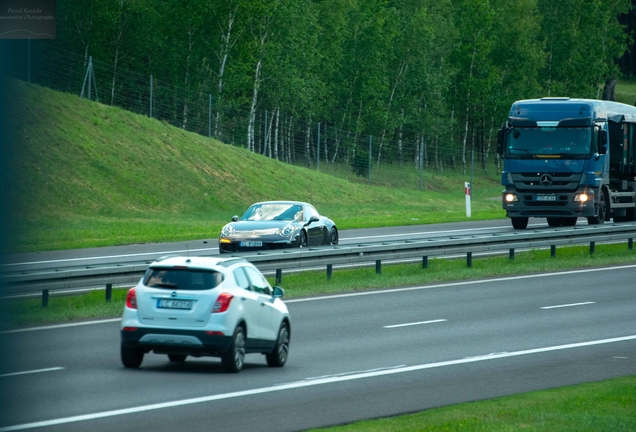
(200, 306)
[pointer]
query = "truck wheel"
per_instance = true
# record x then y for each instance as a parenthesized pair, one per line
(602, 211)
(519, 222)
(554, 221)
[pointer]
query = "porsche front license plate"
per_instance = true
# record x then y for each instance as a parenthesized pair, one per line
(251, 244)
(546, 197)
(174, 304)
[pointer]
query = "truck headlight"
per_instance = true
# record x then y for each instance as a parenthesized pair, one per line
(510, 197)
(582, 197)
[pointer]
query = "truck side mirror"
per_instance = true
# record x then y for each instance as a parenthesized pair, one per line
(501, 134)
(602, 142)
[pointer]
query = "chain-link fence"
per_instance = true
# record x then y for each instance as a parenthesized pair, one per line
(278, 135)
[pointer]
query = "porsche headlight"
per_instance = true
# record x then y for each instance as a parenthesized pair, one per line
(227, 230)
(287, 230)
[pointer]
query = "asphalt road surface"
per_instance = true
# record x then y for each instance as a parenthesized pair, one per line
(352, 357)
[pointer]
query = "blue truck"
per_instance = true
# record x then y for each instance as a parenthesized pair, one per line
(568, 158)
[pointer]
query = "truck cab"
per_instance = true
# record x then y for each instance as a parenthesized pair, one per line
(568, 158)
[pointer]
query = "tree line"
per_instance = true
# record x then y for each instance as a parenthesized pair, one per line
(425, 78)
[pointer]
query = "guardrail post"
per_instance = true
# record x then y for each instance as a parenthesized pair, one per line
(424, 262)
(329, 270)
(279, 276)
(45, 298)
(552, 251)
(469, 259)
(592, 246)
(630, 244)
(511, 254)
(378, 267)
(109, 292)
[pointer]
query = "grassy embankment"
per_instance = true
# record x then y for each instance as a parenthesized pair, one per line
(88, 175)
(91, 175)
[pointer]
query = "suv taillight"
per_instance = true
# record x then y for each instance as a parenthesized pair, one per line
(222, 302)
(131, 299)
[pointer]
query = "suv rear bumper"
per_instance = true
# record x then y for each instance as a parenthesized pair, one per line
(161, 341)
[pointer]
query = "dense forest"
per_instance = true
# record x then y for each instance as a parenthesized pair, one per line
(428, 80)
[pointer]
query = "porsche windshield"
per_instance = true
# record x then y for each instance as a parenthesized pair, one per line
(575, 142)
(273, 212)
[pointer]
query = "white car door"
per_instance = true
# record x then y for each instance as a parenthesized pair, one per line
(250, 301)
(269, 317)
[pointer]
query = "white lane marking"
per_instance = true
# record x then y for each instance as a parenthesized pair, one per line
(567, 305)
(414, 323)
(364, 293)
(353, 373)
(304, 384)
(61, 326)
(31, 372)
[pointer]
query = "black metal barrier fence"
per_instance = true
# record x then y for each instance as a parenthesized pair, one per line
(20, 279)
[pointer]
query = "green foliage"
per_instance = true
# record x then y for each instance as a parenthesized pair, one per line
(405, 71)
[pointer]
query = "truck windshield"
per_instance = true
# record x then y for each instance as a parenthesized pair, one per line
(575, 142)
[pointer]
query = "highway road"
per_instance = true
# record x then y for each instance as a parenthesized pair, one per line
(210, 246)
(353, 356)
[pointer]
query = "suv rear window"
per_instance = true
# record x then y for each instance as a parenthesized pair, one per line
(182, 279)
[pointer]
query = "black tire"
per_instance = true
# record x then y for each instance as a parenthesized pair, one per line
(302, 241)
(554, 221)
(278, 357)
(333, 236)
(131, 357)
(234, 359)
(519, 222)
(602, 212)
(568, 221)
(177, 358)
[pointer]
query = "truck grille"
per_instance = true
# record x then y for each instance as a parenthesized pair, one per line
(546, 182)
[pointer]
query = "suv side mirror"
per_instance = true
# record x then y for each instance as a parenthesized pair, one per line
(278, 292)
(602, 142)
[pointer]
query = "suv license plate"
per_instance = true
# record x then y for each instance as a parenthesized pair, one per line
(546, 197)
(174, 304)
(251, 244)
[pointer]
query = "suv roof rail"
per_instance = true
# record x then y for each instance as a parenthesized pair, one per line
(165, 257)
(231, 261)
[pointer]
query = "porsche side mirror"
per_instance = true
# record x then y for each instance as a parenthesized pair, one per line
(234, 218)
(312, 219)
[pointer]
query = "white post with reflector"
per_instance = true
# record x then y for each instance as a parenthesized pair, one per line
(467, 192)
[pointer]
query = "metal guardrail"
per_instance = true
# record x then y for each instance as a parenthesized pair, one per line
(29, 278)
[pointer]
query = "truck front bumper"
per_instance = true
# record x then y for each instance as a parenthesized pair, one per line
(549, 204)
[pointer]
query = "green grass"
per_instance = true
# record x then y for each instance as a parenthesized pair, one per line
(86, 174)
(600, 406)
